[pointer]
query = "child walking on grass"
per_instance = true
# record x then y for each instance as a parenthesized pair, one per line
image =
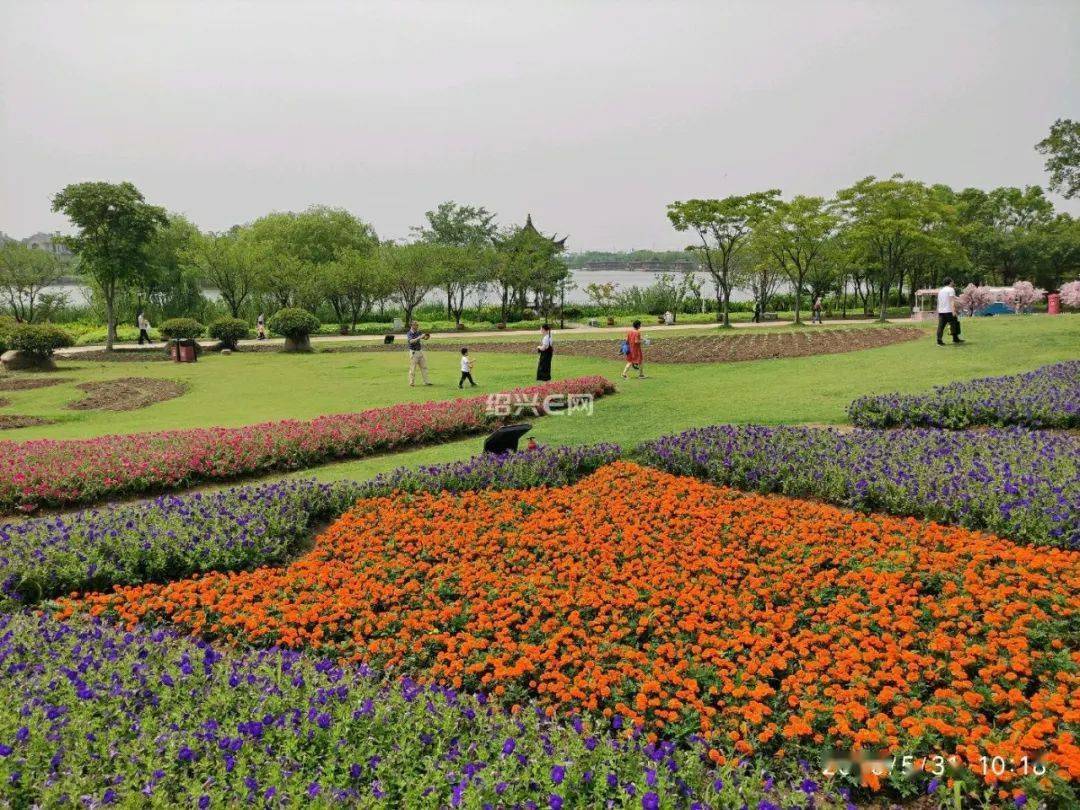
(466, 369)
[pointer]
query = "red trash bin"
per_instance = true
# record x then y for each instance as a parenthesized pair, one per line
(1053, 304)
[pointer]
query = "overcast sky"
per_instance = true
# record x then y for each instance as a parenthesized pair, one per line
(591, 115)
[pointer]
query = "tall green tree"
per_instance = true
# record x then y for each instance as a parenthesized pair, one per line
(1062, 150)
(797, 234)
(410, 272)
(115, 226)
(529, 263)
(887, 222)
(25, 274)
(722, 228)
(299, 247)
(229, 263)
(469, 229)
(169, 284)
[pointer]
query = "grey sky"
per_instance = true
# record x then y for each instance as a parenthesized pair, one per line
(591, 115)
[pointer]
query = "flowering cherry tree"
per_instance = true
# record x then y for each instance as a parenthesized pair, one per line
(1023, 295)
(973, 298)
(1070, 294)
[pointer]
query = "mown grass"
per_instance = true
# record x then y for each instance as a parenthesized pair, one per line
(254, 387)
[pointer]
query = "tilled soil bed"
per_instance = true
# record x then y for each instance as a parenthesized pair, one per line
(13, 421)
(27, 383)
(125, 393)
(726, 348)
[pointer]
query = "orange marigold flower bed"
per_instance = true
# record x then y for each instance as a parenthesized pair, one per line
(766, 622)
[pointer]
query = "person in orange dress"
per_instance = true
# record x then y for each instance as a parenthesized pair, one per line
(634, 357)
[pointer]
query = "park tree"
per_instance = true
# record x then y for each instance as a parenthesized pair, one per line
(797, 234)
(410, 272)
(886, 223)
(299, 247)
(468, 230)
(170, 284)
(352, 284)
(25, 274)
(722, 228)
(763, 273)
(229, 263)
(1005, 240)
(1062, 150)
(529, 263)
(116, 225)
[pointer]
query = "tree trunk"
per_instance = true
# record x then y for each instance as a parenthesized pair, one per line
(110, 317)
(798, 298)
(882, 316)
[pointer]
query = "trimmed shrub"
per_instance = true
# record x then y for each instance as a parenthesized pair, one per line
(181, 328)
(293, 323)
(7, 323)
(228, 331)
(38, 339)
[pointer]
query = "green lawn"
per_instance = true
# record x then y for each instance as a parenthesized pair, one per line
(255, 387)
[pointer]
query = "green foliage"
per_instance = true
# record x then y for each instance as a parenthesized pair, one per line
(115, 227)
(722, 228)
(39, 339)
(7, 323)
(1062, 150)
(24, 275)
(228, 331)
(181, 328)
(293, 323)
(460, 225)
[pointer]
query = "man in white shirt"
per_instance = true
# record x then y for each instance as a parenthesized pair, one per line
(946, 313)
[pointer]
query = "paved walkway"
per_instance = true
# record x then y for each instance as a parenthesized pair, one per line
(501, 333)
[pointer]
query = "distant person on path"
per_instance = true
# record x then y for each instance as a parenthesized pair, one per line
(669, 318)
(546, 350)
(946, 313)
(466, 369)
(634, 358)
(416, 352)
(144, 329)
(261, 327)
(815, 317)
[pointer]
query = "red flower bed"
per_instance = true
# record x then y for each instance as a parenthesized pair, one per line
(58, 473)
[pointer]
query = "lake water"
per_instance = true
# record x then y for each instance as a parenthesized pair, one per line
(79, 294)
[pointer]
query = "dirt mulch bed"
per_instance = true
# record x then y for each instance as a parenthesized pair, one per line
(120, 355)
(725, 348)
(126, 394)
(26, 383)
(12, 421)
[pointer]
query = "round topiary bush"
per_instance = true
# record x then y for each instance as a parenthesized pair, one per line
(181, 328)
(7, 323)
(228, 331)
(296, 325)
(30, 346)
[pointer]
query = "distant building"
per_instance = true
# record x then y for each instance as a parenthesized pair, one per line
(47, 241)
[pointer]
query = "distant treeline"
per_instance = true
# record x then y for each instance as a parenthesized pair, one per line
(661, 259)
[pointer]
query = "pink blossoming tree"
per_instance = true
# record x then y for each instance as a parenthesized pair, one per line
(1070, 294)
(973, 298)
(1023, 296)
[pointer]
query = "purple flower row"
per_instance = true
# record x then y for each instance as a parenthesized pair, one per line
(1020, 484)
(236, 528)
(1048, 397)
(95, 715)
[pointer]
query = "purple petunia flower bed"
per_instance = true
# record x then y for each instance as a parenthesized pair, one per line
(1048, 397)
(1020, 484)
(236, 528)
(101, 716)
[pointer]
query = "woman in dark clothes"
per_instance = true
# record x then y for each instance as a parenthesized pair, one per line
(543, 368)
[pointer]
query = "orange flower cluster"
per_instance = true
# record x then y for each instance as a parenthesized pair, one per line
(768, 623)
